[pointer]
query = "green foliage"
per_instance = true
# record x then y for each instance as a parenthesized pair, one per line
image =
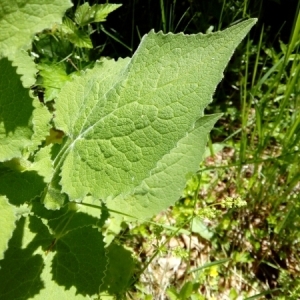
(128, 133)
(27, 19)
(67, 48)
(19, 22)
(261, 130)
(259, 162)
(78, 31)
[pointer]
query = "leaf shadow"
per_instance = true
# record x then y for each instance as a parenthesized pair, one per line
(80, 258)
(20, 187)
(15, 104)
(21, 267)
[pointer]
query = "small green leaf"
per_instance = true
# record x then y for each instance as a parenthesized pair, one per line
(68, 26)
(43, 163)
(186, 290)
(84, 14)
(172, 293)
(53, 198)
(78, 37)
(199, 227)
(111, 229)
(103, 10)
(211, 264)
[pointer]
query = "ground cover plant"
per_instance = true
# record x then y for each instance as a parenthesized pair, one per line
(89, 147)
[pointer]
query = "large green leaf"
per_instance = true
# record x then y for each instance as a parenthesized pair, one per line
(123, 118)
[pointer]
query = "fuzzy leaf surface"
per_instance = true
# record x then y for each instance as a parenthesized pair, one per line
(122, 118)
(166, 182)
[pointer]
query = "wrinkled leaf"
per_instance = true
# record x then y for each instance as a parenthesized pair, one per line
(165, 183)
(124, 118)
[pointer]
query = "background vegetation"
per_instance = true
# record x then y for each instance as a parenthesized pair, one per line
(235, 232)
